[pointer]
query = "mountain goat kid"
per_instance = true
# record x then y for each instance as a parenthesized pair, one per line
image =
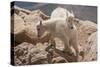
(63, 29)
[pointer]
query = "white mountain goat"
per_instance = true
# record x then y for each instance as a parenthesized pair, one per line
(63, 29)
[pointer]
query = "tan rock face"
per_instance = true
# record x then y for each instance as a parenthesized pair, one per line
(23, 31)
(17, 24)
(31, 31)
(26, 53)
(18, 9)
(22, 14)
(85, 29)
(31, 22)
(91, 48)
(22, 53)
(24, 25)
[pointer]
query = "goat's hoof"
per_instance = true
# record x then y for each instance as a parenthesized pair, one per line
(69, 53)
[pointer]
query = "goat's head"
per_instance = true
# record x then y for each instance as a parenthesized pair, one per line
(70, 22)
(40, 29)
(72, 19)
(75, 21)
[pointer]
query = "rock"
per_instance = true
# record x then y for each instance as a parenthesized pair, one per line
(41, 14)
(21, 32)
(54, 55)
(22, 15)
(85, 29)
(17, 24)
(38, 54)
(25, 26)
(23, 37)
(31, 31)
(36, 16)
(91, 48)
(31, 21)
(39, 57)
(22, 53)
(59, 60)
(18, 9)
(17, 61)
(26, 53)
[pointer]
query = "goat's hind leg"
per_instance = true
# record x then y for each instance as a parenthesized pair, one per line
(75, 46)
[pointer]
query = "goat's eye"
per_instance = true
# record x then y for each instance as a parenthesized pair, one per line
(71, 27)
(77, 21)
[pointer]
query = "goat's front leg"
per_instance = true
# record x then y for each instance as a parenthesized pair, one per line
(74, 44)
(67, 48)
(52, 42)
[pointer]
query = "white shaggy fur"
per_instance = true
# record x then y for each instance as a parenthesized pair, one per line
(63, 29)
(60, 12)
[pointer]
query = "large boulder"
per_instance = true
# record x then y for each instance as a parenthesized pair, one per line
(21, 31)
(17, 24)
(24, 25)
(85, 29)
(23, 37)
(18, 9)
(22, 14)
(91, 48)
(22, 53)
(38, 54)
(31, 22)
(26, 53)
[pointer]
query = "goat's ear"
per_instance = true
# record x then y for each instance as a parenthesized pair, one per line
(72, 13)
